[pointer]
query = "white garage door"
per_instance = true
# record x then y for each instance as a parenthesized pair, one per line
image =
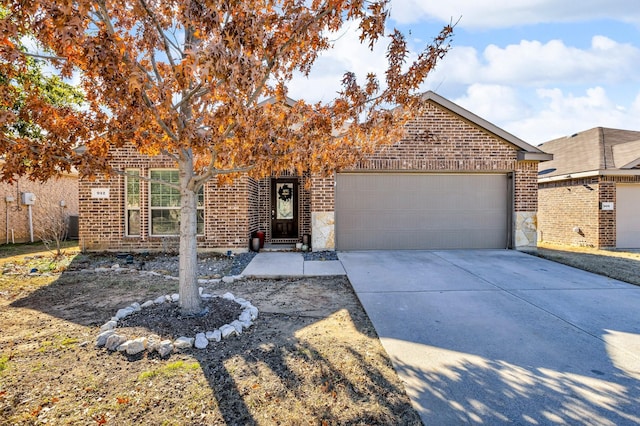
(628, 215)
(377, 211)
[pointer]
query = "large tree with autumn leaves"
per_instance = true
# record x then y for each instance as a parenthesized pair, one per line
(185, 78)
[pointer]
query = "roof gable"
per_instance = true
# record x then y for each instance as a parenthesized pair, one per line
(526, 151)
(627, 155)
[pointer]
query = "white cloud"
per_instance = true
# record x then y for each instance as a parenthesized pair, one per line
(559, 113)
(537, 91)
(532, 63)
(348, 54)
(509, 13)
(494, 103)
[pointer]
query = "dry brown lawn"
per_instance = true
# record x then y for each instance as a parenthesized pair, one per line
(311, 358)
(618, 264)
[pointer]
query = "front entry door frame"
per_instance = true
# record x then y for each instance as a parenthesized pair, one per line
(284, 209)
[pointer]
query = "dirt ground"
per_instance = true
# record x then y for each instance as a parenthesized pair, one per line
(311, 358)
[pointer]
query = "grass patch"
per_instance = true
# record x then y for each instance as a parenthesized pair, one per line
(68, 341)
(169, 370)
(4, 363)
(58, 344)
(32, 249)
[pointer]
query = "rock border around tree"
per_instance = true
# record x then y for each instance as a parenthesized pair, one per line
(113, 341)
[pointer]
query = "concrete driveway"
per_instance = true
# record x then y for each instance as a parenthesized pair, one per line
(501, 337)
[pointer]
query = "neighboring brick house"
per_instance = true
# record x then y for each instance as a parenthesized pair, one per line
(52, 200)
(454, 181)
(589, 195)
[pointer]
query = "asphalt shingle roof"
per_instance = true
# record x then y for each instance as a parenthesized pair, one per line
(599, 148)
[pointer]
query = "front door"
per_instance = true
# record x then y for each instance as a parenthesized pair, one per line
(284, 209)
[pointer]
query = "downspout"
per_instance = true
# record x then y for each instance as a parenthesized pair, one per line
(30, 223)
(7, 221)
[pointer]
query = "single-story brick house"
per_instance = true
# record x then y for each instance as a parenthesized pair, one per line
(454, 181)
(589, 194)
(54, 199)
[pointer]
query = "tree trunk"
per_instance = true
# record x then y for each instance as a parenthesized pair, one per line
(190, 301)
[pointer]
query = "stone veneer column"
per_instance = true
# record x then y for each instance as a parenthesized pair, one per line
(525, 226)
(323, 213)
(525, 216)
(323, 231)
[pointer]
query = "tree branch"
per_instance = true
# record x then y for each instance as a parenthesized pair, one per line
(165, 41)
(144, 178)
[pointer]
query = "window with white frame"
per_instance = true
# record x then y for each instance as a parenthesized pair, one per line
(164, 203)
(132, 203)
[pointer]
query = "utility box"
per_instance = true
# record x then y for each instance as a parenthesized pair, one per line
(28, 198)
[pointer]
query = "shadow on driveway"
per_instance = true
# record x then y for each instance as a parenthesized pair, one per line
(501, 337)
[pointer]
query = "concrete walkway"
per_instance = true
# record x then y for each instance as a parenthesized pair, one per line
(285, 264)
(500, 337)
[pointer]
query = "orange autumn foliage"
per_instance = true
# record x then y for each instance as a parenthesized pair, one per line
(186, 78)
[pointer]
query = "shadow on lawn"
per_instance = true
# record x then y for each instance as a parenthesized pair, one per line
(607, 264)
(297, 360)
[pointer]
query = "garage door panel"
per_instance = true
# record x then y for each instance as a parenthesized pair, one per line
(420, 240)
(628, 215)
(421, 211)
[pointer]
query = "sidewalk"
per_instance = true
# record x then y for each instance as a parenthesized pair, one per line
(282, 265)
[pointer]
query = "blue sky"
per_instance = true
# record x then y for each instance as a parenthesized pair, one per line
(540, 69)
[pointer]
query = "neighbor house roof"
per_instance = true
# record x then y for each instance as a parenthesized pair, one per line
(525, 152)
(597, 151)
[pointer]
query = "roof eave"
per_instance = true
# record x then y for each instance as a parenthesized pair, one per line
(534, 156)
(591, 173)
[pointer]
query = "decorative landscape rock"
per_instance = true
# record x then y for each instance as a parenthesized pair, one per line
(165, 348)
(153, 343)
(124, 312)
(183, 342)
(237, 325)
(214, 336)
(228, 331)
(201, 341)
(109, 325)
(101, 340)
(245, 319)
(136, 346)
(113, 341)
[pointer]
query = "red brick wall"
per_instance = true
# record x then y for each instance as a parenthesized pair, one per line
(228, 224)
(253, 187)
(443, 141)
(322, 194)
(607, 218)
(564, 205)
(48, 197)
(526, 186)
(439, 141)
